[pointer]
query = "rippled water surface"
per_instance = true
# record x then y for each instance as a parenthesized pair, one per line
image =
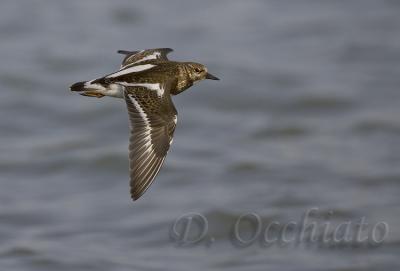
(306, 115)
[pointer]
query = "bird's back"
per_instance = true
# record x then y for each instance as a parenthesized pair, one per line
(153, 72)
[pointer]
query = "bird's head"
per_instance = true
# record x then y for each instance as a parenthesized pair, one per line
(197, 72)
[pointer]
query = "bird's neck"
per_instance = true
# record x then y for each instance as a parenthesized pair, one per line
(183, 80)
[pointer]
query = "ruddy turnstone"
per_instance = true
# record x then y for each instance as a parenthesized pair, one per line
(146, 80)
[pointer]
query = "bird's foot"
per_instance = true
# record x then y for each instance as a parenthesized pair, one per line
(90, 93)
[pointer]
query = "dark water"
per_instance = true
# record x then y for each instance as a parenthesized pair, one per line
(306, 115)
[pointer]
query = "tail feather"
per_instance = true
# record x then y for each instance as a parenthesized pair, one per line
(85, 88)
(97, 88)
(80, 86)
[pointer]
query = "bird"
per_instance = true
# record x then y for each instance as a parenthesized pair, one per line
(146, 80)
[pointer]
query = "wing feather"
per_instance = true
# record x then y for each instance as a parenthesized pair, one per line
(153, 121)
(134, 57)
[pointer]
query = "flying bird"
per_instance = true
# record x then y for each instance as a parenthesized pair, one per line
(146, 80)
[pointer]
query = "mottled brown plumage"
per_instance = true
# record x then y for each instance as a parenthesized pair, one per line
(146, 81)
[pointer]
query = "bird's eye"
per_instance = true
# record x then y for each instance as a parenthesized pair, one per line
(198, 70)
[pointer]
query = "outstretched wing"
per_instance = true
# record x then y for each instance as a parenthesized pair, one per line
(153, 120)
(133, 57)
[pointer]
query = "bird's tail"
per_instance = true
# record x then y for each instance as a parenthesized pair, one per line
(86, 88)
(78, 87)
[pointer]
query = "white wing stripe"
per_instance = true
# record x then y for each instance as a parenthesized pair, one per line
(154, 55)
(140, 110)
(138, 68)
(144, 117)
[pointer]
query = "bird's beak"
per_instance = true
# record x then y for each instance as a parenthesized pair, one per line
(211, 77)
